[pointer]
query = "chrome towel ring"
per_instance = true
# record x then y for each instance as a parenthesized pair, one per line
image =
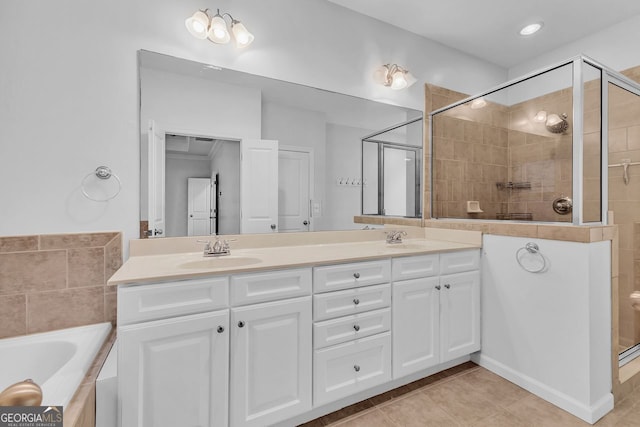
(101, 172)
(532, 250)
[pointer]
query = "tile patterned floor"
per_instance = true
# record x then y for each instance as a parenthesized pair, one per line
(468, 395)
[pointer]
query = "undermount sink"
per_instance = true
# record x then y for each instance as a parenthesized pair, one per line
(221, 262)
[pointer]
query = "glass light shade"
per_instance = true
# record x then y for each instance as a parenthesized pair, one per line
(380, 75)
(541, 116)
(398, 80)
(198, 24)
(218, 32)
(241, 34)
(410, 79)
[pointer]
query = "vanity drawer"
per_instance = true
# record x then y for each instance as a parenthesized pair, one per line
(270, 286)
(459, 261)
(351, 301)
(347, 328)
(345, 276)
(142, 303)
(348, 368)
(414, 267)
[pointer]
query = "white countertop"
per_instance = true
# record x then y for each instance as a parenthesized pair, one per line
(155, 268)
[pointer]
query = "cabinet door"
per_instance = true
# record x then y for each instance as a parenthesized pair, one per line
(175, 372)
(460, 314)
(415, 325)
(271, 363)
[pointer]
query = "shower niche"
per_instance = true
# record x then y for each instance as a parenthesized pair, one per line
(514, 149)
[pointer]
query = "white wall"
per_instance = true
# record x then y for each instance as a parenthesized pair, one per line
(178, 102)
(615, 47)
(71, 73)
(550, 332)
(177, 172)
(344, 160)
(302, 128)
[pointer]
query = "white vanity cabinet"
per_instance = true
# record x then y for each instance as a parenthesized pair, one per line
(436, 309)
(173, 367)
(352, 323)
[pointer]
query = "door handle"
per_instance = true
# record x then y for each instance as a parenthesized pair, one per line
(273, 226)
(305, 222)
(157, 232)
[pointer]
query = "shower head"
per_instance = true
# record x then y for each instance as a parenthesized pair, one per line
(557, 123)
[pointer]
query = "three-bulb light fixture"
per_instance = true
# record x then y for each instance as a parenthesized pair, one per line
(215, 28)
(393, 76)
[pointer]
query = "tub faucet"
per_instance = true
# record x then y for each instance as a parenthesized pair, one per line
(395, 236)
(218, 248)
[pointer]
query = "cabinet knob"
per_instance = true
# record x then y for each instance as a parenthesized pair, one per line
(356, 275)
(241, 324)
(356, 301)
(356, 327)
(448, 286)
(220, 329)
(356, 368)
(438, 287)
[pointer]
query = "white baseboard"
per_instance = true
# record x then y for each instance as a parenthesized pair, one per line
(590, 414)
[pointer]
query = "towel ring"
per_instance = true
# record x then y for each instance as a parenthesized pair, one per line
(533, 249)
(101, 172)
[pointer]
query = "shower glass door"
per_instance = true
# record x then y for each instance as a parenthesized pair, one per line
(624, 201)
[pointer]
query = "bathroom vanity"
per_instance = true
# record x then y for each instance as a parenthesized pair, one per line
(287, 334)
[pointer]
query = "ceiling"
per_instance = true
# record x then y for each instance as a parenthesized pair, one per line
(489, 29)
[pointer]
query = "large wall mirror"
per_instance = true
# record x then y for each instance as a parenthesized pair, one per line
(226, 152)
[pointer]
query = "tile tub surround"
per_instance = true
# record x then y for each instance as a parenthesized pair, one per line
(56, 281)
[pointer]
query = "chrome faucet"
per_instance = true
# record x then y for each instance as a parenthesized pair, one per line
(395, 236)
(218, 248)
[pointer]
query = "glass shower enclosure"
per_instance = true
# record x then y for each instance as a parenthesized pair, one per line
(560, 145)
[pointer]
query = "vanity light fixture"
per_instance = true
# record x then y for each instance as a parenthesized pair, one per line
(531, 29)
(216, 29)
(393, 76)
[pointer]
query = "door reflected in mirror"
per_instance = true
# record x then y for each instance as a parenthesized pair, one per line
(226, 152)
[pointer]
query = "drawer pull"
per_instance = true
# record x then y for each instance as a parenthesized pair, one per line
(356, 368)
(220, 329)
(241, 324)
(356, 301)
(448, 286)
(356, 327)
(438, 287)
(356, 275)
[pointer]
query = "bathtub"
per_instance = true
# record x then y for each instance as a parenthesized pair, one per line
(57, 361)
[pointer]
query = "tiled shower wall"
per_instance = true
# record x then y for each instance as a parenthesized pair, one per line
(470, 156)
(50, 282)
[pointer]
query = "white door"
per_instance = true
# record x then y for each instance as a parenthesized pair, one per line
(271, 363)
(199, 208)
(156, 156)
(258, 186)
(460, 314)
(175, 372)
(293, 190)
(416, 329)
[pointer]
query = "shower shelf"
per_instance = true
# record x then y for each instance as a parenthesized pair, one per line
(513, 185)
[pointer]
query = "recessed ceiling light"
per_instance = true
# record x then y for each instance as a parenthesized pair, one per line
(531, 29)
